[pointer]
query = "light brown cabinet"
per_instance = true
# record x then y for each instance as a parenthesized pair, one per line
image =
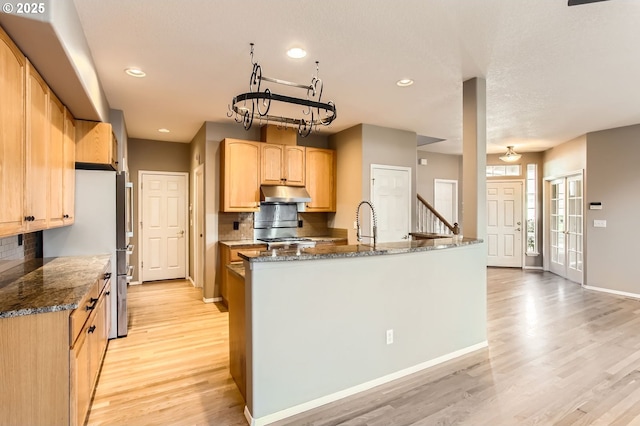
(88, 346)
(56, 162)
(321, 179)
(37, 152)
(69, 169)
(230, 255)
(240, 175)
(53, 360)
(37, 179)
(12, 127)
(96, 145)
(282, 165)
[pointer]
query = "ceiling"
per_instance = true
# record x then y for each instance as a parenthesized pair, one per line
(553, 72)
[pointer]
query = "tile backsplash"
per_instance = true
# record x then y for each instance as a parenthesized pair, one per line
(313, 225)
(10, 249)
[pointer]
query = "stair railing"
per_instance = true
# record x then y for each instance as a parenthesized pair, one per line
(432, 222)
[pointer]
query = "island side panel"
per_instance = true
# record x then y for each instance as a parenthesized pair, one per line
(318, 327)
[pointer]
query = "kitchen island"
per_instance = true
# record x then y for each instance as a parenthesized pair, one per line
(326, 322)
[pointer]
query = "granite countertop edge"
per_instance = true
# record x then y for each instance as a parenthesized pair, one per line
(48, 285)
(339, 252)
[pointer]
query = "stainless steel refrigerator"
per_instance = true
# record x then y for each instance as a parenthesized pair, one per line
(103, 224)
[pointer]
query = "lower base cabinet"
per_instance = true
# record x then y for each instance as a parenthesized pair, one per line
(49, 362)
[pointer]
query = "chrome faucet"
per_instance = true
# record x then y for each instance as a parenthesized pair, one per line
(375, 223)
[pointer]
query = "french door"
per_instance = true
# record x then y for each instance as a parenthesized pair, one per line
(566, 227)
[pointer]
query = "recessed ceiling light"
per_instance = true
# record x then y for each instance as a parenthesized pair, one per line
(296, 53)
(404, 82)
(135, 72)
(163, 130)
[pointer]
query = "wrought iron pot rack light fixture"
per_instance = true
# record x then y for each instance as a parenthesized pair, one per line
(257, 104)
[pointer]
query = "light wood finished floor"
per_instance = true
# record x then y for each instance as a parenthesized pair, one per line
(557, 355)
(173, 367)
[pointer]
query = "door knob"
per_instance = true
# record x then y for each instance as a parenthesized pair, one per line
(519, 223)
(181, 233)
(517, 229)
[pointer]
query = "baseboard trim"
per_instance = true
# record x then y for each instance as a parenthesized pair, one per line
(135, 283)
(193, 283)
(212, 299)
(533, 268)
(292, 411)
(616, 292)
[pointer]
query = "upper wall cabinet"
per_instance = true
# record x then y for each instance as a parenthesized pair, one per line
(96, 146)
(282, 165)
(37, 149)
(12, 125)
(56, 161)
(321, 179)
(69, 176)
(240, 175)
(37, 152)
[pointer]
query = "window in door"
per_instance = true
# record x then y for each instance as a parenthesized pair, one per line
(532, 196)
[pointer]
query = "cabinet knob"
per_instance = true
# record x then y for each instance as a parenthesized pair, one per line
(107, 293)
(91, 329)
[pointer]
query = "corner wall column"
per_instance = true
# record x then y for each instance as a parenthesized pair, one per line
(474, 158)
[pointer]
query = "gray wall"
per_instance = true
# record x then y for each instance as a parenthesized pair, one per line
(299, 352)
(614, 178)
(153, 156)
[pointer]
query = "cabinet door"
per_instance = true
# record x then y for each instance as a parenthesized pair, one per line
(271, 164)
(69, 177)
(12, 122)
(95, 143)
(294, 165)
(56, 161)
(240, 175)
(80, 379)
(321, 179)
(37, 159)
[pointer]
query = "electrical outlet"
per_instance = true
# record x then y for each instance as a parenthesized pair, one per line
(355, 225)
(236, 226)
(389, 337)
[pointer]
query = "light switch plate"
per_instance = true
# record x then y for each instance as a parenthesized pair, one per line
(599, 223)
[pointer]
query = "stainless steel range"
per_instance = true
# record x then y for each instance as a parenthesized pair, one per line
(276, 224)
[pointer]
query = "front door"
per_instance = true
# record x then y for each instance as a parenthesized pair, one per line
(504, 224)
(391, 196)
(163, 228)
(565, 227)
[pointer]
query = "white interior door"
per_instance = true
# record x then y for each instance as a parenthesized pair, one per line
(163, 226)
(445, 199)
(391, 196)
(504, 224)
(565, 227)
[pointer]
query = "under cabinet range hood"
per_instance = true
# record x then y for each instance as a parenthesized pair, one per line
(284, 194)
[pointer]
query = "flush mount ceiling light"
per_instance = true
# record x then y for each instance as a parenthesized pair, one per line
(296, 53)
(405, 82)
(163, 130)
(135, 72)
(510, 156)
(258, 103)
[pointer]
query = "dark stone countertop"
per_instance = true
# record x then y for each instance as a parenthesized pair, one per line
(249, 243)
(359, 250)
(48, 284)
(237, 268)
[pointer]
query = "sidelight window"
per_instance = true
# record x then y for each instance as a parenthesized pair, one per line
(532, 229)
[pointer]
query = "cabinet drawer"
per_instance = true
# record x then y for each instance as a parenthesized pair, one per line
(233, 253)
(79, 316)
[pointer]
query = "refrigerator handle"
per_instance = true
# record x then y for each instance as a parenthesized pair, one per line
(129, 187)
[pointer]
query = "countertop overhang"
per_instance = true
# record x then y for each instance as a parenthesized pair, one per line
(355, 250)
(48, 284)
